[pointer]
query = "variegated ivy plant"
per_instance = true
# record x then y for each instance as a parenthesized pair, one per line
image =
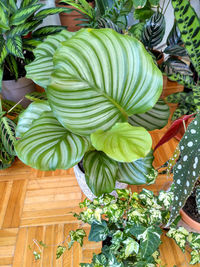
(99, 84)
(18, 33)
(130, 228)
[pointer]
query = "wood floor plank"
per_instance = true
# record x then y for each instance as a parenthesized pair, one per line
(47, 256)
(20, 248)
(58, 240)
(5, 190)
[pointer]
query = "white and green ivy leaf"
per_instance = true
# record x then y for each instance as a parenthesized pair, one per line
(98, 231)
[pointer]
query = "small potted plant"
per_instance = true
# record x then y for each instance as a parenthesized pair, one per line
(19, 35)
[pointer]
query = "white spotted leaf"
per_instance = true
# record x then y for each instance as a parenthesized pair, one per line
(187, 169)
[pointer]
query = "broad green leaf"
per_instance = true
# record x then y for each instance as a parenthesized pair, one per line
(154, 3)
(47, 30)
(41, 68)
(198, 198)
(36, 96)
(137, 29)
(14, 46)
(138, 172)
(7, 133)
(47, 145)
(187, 169)
(24, 13)
(123, 142)
(42, 14)
(131, 246)
(30, 114)
(100, 172)
(155, 118)
(189, 26)
(139, 3)
(143, 14)
(154, 30)
(98, 78)
(98, 231)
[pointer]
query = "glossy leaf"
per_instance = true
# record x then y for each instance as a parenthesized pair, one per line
(189, 26)
(100, 172)
(24, 13)
(155, 118)
(97, 77)
(24, 28)
(14, 46)
(41, 68)
(47, 30)
(98, 231)
(123, 142)
(187, 169)
(173, 130)
(7, 133)
(30, 114)
(154, 30)
(47, 145)
(42, 14)
(139, 3)
(138, 172)
(137, 29)
(132, 246)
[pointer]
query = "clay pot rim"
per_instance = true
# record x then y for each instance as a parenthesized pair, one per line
(192, 223)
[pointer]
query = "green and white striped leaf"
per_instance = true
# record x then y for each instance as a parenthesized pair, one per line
(7, 133)
(4, 21)
(108, 23)
(47, 30)
(14, 46)
(36, 96)
(30, 114)
(47, 145)
(100, 172)
(139, 3)
(137, 29)
(23, 14)
(154, 30)
(138, 172)
(155, 118)
(176, 50)
(42, 14)
(24, 29)
(187, 169)
(178, 66)
(98, 78)
(123, 142)
(3, 51)
(198, 198)
(189, 26)
(12, 5)
(25, 3)
(31, 44)
(174, 37)
(41, 68)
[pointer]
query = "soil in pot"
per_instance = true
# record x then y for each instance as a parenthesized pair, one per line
(70, 20)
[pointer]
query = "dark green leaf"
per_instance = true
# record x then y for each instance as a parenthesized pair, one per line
(174, 37)
(143, 14)
(138, 172)
(176, 50)
(187, 169)
(7, 133)
(24, 29)
(154, 30)
(6, 159)
(98, 231)
(7, 105)
(3, 51)
(47, 30)
(100, 172)
(50, 11)
(174, 65)
(14, 46)
(60, 251)
(4, 20)
(137, 29)
(139, 3)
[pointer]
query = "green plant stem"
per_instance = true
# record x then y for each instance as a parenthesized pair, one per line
(166, 7)
(163, 6)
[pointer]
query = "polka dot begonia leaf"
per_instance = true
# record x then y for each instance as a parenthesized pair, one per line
(187, 169)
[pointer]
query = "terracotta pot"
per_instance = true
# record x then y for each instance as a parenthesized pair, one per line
(80, 177)
(181, 132)
(188, 220)
(16, 90)
(70, 19)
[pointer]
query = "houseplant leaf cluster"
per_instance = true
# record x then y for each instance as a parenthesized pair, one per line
(93, 84)
(18, 33)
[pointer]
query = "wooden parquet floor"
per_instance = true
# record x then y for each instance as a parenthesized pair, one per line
(37, 205)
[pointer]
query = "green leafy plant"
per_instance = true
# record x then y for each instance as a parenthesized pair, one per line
(94, 86)
(130, 228)
(8, 116)
(19, 36)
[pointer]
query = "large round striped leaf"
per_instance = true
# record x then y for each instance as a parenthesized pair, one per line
(138, 172)
(32, 113)
(124, 143)
(100, 172)
(155, 118)
(101, 77)
(7, 133)
(41, 68)
(47, 145)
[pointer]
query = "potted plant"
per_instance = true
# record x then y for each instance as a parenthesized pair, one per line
(96, 107)
(19, 35)
(130, 228)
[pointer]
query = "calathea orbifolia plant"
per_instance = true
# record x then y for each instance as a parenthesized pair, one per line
(19, 36)
(187, 169)
(98, 85)
(130, 228)
(8, 114)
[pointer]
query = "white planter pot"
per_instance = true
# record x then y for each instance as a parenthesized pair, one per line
(80, 177)
(16, 90)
